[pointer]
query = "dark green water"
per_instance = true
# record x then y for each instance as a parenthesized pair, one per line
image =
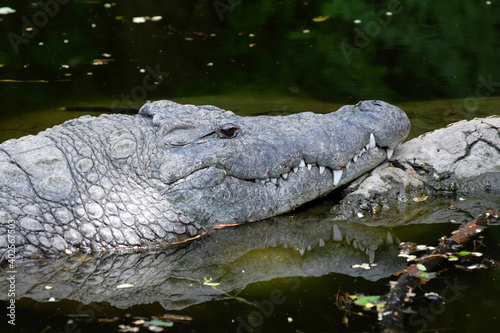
(438, 60)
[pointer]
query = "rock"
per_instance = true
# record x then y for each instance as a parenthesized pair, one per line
(463, 158)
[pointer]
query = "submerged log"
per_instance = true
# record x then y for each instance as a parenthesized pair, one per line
(415, 274)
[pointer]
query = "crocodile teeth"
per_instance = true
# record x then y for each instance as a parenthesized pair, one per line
(274, 180)
(390, 151)
(295, 169)
(348, 165)
(321, 169)
(302, 251)
(372, 143)
(309, 166)
(355, 158)
(337, 174)
(337, 234)
(285, 175)
(302, 163)
(389, 239)
(321, 242)
(371, 255)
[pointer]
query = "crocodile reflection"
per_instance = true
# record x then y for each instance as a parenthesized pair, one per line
(232, 256)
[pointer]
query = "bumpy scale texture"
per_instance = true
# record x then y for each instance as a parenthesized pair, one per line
(86, 185)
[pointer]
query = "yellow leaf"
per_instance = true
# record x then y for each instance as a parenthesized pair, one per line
(321, 18)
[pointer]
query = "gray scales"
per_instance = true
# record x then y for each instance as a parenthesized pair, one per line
(174, 171)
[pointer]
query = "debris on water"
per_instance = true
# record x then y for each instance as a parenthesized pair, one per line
(421, 198)
(320, 18)
(124, 285)
(6, 10)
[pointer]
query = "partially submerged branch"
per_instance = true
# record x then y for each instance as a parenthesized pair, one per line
(397, 299)
(390, 307)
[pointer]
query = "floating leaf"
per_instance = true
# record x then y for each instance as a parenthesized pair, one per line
(321, 18)
(463, 253)
(363, 301)
(160, 323)
(421, 267)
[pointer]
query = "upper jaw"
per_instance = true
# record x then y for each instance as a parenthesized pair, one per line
(337, 172)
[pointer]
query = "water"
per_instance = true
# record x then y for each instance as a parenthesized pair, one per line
(436, 60)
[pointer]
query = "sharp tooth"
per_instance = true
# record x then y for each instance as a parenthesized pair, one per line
(321, 242)
(321, 169)
(302, 251)
(371, 255)
(337, 174)
(309, 166)
(390, 151)
(285, 175)
(362, 152)
(337, 235)
(389, 239)
(367, 147)
(309, 248)
(372, 141)
(355, 244)
(348, 165)
(302, 163)
(266, 180)
(274, 180)
(262, 181)
(295, 169)
(355, 158)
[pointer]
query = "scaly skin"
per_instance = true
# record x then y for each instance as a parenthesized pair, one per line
(172, 171)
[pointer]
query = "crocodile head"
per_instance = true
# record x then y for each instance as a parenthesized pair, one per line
(218, 167)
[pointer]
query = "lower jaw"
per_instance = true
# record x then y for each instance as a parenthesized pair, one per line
(236, 200)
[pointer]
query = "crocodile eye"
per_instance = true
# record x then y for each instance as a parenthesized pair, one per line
(228, 132)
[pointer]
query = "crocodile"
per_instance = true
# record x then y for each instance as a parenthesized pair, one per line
(172, 172)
